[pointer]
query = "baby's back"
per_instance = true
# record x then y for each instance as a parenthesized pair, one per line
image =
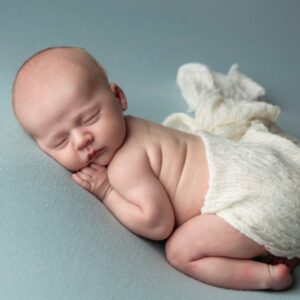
(177, 159)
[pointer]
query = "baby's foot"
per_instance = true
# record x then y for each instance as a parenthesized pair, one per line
(273, 260)
(280, 277)
(290, 263)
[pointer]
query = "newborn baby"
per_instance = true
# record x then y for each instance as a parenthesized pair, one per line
(158, 182)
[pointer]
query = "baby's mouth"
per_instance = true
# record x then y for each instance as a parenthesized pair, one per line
(94, 153)
(91, 154)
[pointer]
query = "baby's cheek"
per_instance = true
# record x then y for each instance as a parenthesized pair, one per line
(70, 161)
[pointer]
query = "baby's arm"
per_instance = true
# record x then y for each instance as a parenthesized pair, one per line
(135, 197)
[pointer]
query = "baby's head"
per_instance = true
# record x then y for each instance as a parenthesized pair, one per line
(63, 100)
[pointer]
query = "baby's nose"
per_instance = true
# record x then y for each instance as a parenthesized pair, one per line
(82, 139)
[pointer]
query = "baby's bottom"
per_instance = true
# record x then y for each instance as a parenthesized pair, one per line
(212, 251)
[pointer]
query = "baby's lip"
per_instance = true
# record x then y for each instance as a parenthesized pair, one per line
(93, 153)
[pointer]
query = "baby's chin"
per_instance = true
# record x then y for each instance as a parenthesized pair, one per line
(81, 167)
(75, 169)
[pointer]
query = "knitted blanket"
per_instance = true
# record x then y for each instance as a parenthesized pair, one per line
(254, 185)
(225, 105)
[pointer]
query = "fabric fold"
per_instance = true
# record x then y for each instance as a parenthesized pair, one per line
(225, 105)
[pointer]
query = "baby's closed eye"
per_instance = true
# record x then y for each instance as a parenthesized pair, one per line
(91, 118)
(61, 142)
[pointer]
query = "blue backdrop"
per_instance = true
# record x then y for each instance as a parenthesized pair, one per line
(56, 240)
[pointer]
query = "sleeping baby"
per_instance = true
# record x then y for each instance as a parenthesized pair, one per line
(218, 203)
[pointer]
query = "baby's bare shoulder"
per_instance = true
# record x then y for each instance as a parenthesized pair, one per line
(131, 160)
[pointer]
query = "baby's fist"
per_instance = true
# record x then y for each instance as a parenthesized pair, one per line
(94, 179)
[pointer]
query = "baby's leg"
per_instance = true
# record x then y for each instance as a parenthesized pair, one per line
(210, 250)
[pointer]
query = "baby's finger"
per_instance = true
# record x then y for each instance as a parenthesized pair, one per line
(87, 173)
(80, 181)
(96, 167)
(84, 176)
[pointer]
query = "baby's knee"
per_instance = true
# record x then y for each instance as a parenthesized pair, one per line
(177, 253)
(173, 253)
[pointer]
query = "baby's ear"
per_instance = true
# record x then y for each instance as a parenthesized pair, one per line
(120, 95)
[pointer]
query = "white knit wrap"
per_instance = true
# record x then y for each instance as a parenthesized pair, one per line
(225, 105)
(254, 184)
(254, 174)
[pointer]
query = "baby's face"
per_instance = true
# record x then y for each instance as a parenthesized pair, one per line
(77, 122)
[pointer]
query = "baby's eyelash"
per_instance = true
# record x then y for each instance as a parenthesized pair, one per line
(60, 142)
(91, 118)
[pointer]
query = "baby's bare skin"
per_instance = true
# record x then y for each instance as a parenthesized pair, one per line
(151, 178)
(171, 155)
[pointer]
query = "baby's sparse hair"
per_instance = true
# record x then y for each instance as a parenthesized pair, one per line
(79, 55)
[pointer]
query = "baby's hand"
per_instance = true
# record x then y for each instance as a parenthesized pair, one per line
(94, 179)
